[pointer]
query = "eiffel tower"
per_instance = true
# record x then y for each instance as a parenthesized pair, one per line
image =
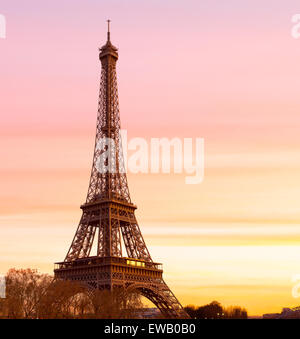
(108, 214)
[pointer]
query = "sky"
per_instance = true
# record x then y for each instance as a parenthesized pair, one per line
(227, 72)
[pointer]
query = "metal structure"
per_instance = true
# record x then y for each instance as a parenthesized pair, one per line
(109, 215)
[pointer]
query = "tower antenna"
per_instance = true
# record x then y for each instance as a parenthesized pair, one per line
(108, 30)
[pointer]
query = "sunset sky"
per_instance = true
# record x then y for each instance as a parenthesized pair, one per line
(228, 72)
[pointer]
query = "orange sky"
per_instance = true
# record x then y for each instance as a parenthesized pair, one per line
(187, 71)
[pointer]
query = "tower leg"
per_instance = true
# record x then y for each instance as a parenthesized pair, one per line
(163, 298)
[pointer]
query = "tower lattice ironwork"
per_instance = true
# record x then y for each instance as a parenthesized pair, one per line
(109, 215)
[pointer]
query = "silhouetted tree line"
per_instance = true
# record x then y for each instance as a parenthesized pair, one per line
(30, 294)
(215, 310)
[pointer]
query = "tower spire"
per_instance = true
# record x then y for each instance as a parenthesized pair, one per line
(108, 48)
(108, 30)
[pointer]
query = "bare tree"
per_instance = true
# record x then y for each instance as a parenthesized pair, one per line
(116, 304)
(34, 295)
(24, 288)
(236, 312)
(59, 301)
(82, 305)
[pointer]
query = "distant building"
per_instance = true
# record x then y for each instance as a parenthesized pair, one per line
(287, 313)
(150, 313)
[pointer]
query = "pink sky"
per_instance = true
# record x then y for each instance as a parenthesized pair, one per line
(227, 72)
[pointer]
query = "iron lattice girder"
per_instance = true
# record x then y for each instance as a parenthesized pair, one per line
(114, 272)
(112, 218)
(107, 184)
(109, 212)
